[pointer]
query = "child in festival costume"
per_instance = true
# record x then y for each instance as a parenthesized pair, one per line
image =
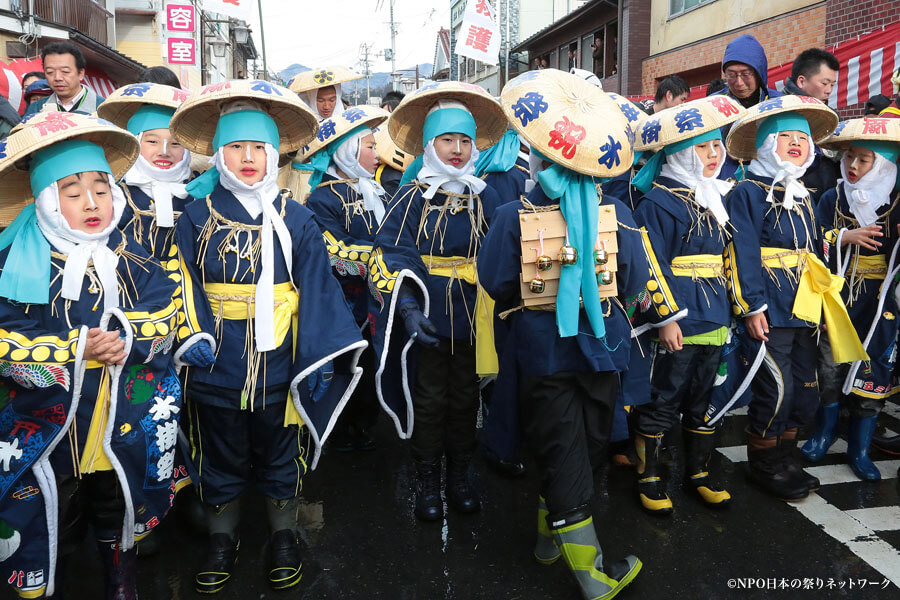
(859, 220)
(568, 355)
(288, 344)
(155, 186)
(425, 254)
(686, 220)
(349, 206)
(779, 286)
(91, 402)
(320, 89)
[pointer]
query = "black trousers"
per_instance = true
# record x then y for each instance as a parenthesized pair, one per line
(233, 449)
(362, 410)
(445, 401)
(785, 391)
(831, 378)
(567, 419)
(96, 499)
(680, 382)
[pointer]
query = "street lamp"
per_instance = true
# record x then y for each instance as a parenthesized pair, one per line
(219, 46)
(241, 33)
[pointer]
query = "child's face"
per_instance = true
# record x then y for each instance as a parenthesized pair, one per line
(368, 158)
(85, 201)
(326, 98)
(247, 160)
(453, 149)
(159, 148)
(709, 153)
(792, 146)
(858, 161)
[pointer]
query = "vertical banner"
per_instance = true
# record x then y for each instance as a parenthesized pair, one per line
(479, 35)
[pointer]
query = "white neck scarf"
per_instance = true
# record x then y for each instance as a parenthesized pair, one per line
(80, 247)
(257, 199)
(437, 174)
(872, 191)
(161, 184)
(312, 96)
(685, 167)
(346, 157)
(768, 164)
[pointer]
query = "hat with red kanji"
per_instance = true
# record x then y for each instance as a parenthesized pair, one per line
(570, 121)
(875, 130)
(742, 143)
(685, 121)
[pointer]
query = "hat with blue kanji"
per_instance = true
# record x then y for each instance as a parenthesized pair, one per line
(570, 121)
(140, 107)
(686, 121)
(339, 126)
(407, 122)
(195, 122)
(321, 77)
(742, 142)
(40, 131)
(867, 131)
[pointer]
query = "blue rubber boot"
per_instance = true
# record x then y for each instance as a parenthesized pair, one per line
(824, 435)
(859, 436)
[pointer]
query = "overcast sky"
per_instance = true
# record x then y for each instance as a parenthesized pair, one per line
(322, 32)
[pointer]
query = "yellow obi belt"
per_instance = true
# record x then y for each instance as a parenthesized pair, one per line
(868, 267)
(458, 268)
(818, 293)
(696, 266)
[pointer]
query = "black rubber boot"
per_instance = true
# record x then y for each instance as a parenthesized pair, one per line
(509, 468)
(119, 569)
(651, 485)
(792, 460)
(284, 564)
(887, 444)
(190, 512)
(766, 468)
(222, 552)
(461, 496)
(429, 506)
(698, 448)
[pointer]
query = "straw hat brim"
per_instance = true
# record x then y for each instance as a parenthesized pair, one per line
(669, 126)
(408, 119)
(118, 108)
(342, 126)
(306, 81)
(857, 130)
(741, 142)
(194, 123)
(121, 149)
(389, 153)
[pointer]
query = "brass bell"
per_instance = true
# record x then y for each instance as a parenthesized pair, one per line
(537, 285)
(568, 255)
(605, 278)
(601, 256)
(544, 263)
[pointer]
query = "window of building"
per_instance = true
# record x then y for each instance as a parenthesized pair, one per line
(587, 53)
(676, 7)
(611, 60)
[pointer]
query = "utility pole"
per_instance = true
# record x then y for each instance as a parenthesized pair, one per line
(394, 81)
(262, 35)
(364, 51)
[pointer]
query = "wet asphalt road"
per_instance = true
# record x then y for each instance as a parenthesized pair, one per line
(364, 543)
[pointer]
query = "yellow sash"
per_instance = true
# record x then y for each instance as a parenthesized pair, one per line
(868, 267)
(818, 292)
(237, 302)
(94, 458)
(463, 269)
(698, 265)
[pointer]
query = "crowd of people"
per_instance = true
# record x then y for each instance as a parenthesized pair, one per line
(201, 292)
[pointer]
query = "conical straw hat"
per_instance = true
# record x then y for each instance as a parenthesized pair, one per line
(876, 129)
(44, 129)
(121, 105)
(195, 121)
(684, 121)
(408, 119)
(337, 125)
(321, 77)
(741, 142)
(570, 121)
(389, 153)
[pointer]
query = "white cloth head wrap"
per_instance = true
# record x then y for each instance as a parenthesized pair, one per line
(686, 167)
(161, 184)
(80, 247)
(346, 157)
(311, 97)
(768, 164)
(438, 174)
(871, 191)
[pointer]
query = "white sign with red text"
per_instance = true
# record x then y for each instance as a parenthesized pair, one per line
(479, 35)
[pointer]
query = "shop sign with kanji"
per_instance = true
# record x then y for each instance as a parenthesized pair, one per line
(179, 17)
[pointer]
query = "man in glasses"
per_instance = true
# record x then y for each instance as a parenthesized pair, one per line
(745, 70)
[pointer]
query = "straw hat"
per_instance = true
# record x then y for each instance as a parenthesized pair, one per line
(570, 121)
(321, 77)
(388, 152)
(877, 129)
(685, 121)
(408, 119)
(337, 125)
(44, 129)
(194, 123)
(741, 142)
(121, 105)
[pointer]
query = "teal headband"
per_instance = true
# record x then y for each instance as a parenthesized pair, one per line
(788, 121)
(320, 161)
(889, 150)
(246, 126)
(643, 179)
(63, 159)
(448, 120)
(150, 116)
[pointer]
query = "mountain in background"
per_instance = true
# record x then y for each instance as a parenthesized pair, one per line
(375, 80)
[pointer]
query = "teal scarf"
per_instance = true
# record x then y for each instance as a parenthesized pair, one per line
(29, 249)
(501, 157)
(320, 161)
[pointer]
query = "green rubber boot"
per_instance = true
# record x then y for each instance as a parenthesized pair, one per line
(577, 541)
(545, 550)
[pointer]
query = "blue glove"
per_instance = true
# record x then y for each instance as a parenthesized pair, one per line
(417, 324)
(200, 354)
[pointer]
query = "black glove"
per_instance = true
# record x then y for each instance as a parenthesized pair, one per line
(417, 324)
